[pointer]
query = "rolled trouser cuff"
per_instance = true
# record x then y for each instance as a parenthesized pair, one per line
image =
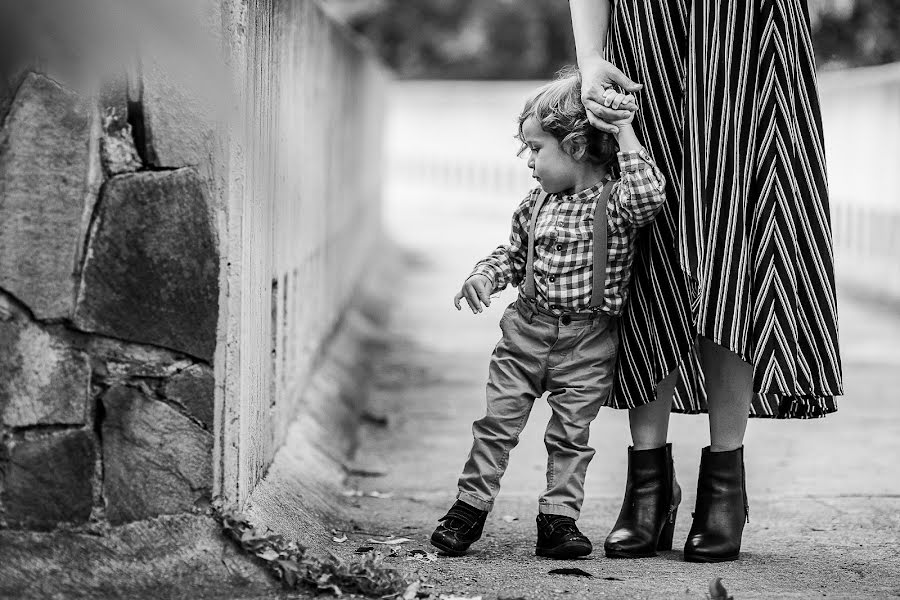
(475, 501)
(558, 509)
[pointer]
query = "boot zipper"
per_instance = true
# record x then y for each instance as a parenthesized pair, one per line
(744, 490)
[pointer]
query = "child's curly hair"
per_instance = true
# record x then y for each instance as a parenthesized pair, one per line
(557, 107)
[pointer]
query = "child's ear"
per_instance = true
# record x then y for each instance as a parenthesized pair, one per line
(577, 148)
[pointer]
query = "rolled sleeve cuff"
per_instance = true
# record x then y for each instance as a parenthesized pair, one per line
(633, 160)
(487, 271)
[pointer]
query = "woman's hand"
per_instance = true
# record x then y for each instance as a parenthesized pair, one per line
(598, 78)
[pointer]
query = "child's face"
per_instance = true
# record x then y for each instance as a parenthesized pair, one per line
(554, 168)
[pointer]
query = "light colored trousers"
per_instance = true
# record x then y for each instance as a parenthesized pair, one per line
(571, 357)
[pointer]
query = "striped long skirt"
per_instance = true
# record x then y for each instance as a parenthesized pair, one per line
(742, 252)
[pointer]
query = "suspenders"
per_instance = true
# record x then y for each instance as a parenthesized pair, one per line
(598, 285)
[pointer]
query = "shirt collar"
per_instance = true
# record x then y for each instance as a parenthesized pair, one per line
(586, 194)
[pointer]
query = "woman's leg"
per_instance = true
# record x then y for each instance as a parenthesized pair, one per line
(650, 422)
(729, 388)
(647, 518)
(721, 509)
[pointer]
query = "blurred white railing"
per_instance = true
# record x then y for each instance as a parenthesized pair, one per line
(452, 142)
(861, 116)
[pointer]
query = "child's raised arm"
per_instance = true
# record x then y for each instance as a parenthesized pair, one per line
(641, 189)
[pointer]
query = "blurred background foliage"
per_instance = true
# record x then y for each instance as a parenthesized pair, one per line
(526, 39)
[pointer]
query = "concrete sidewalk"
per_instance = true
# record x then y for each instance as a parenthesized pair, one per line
(824, 494)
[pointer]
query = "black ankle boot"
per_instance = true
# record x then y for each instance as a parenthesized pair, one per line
(647, 519)
(721, 509)
(459, 528)
(558, 537)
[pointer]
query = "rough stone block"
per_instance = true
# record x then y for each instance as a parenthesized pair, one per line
(44, 381)
(194, 388)
(155, 460)
(48, 479)
(44, 169)
(151, 274)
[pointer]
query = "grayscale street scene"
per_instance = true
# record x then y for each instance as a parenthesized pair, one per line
(231, 237)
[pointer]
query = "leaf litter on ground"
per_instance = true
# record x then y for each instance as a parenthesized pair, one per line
(297, 569)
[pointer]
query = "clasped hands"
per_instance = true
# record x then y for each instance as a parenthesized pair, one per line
(607, 107)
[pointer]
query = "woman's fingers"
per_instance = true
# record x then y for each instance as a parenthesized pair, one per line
(600, 124)
(618, 77)
(605, 113)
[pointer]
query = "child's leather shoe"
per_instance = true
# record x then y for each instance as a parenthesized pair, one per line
(458, 529)
(559, 537)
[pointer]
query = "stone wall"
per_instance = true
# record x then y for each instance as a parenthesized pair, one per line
(108, 310)
(181, 232)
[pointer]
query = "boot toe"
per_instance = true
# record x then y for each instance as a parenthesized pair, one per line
(625, 543)
(708, 550)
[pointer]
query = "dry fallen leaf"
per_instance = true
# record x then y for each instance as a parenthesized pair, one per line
(390, 542)
(570, 571)
(412, 590)
(268, 554)
(372, 494)
(510, 518)
(717, 591)
(421, 556)
(339, 539)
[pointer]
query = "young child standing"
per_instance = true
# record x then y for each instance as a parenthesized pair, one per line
(570, 253)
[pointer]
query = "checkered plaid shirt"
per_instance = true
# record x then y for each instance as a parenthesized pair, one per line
(563, 256)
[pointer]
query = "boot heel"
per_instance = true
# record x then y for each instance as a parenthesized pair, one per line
(667, 533)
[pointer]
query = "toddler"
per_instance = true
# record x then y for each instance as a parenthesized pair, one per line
(570, 254)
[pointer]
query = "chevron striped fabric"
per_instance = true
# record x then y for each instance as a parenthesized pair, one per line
(742, 252)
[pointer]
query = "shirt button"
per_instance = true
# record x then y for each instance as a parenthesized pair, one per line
(559, 247)
(551, 278)
(552, 307)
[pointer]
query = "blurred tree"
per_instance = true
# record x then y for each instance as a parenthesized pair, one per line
(867, 32)
(525, 39)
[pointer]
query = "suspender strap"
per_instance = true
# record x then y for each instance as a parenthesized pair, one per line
(601, 243)
(529, 265)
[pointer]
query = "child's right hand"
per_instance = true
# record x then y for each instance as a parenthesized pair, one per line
(476, 290)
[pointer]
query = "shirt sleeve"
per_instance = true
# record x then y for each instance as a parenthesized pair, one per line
(506, 264)
(640, 193)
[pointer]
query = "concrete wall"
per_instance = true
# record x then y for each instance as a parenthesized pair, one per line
(188, 195)
(303, 206)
